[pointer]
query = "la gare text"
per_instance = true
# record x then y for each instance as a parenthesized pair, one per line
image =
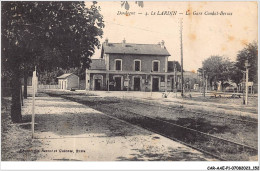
(208, 13)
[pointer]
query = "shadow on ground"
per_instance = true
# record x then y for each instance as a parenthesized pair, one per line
(13, 138)
(200, 124)
(81, 123)
(177, 154)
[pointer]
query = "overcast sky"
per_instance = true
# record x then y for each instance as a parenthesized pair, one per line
(203, 35)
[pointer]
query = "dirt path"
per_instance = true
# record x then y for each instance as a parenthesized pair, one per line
(67, 130)
(227, 129)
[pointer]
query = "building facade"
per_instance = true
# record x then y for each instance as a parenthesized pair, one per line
(132, 67)
(125, 66)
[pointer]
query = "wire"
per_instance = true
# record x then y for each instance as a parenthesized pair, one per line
(138, 28)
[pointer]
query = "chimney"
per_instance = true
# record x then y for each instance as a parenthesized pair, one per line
(162, 44)
(106, 42)
(123, 42)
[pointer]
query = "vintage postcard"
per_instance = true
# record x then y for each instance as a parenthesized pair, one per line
(130, 81)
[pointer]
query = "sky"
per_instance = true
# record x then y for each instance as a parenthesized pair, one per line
(203, 35)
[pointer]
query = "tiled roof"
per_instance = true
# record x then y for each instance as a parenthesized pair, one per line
(130, 48)
(98, 64)
(65, 75)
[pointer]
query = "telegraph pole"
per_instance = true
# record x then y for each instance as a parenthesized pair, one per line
(243, 86)
(203, 78)
(247, 68)
(206, 83)
(174, 79)
(181, 27)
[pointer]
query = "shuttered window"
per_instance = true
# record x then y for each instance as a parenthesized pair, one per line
(118, 65)
(137, 65)
(156, 66)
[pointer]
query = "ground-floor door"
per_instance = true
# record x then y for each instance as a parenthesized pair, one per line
(117, 83)
(97, 84)
(155, 84)
(137, 84)
(65, 85)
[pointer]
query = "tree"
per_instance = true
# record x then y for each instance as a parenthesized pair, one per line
(217, 68)
(236, 74)
(249, 53)
(126, 5)
(47, 35)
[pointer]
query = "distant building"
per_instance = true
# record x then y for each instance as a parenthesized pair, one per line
(252, 88)
(68, 81)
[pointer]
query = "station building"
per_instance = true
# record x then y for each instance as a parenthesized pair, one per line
(131, 67)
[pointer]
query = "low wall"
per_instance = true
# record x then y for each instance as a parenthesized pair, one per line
(48, 86)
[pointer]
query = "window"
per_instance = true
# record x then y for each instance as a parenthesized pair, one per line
(137, 65)
(118, 64)
(156, 66)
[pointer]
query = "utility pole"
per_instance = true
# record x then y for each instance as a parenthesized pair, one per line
(206, 83)
(247, 69)
(203, 79)
(174, 78)
(181, 27)
(243, 86)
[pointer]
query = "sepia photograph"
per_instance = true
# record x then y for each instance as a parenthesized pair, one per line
(130, 81)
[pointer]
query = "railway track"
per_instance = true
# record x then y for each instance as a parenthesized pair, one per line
(214, 146)
(179, 133)
(178, 109)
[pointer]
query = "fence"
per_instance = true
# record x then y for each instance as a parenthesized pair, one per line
(41, 86)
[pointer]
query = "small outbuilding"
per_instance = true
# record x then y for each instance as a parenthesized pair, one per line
(68, 81)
